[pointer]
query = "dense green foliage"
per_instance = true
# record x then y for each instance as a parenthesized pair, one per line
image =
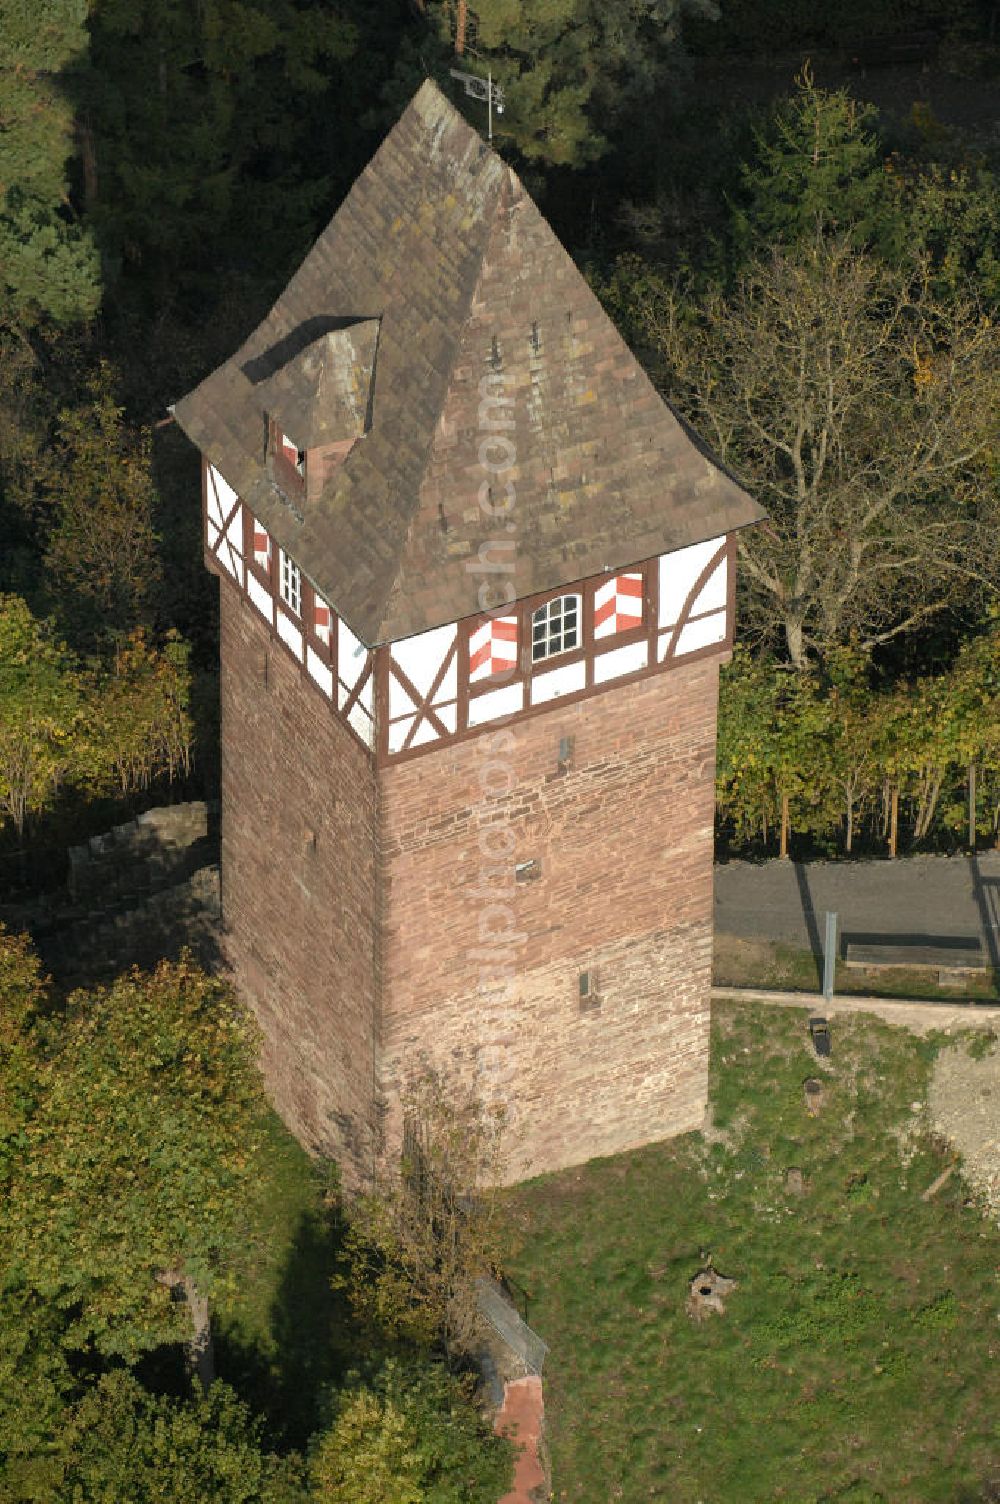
(132, 1155)
(121, 1442)
(136, 1166)
(840, 752)
(48, 261)
(855, 1359)
(91, 727)
(572, 71)
(408, 1436)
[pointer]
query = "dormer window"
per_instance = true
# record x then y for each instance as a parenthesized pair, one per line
(318, 404)
(555, 627)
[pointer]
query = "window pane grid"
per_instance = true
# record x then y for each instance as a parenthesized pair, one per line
(554, 627)
(291, 584)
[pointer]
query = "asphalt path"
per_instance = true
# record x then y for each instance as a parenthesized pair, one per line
(928, 898)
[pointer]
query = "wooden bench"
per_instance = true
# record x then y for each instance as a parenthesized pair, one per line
(952, 961)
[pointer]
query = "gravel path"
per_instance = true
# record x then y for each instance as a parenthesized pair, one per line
(964, 1103)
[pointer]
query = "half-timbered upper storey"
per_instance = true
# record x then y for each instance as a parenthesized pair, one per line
(439, 473)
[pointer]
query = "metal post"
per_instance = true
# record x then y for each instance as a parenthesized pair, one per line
(489, 89)
(829, 955)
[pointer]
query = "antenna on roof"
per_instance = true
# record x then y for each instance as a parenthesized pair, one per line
(482, 88)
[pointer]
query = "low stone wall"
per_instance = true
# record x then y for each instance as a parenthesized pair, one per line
(134, 895)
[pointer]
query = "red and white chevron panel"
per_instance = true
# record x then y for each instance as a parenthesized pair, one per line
(261, 546)
(321, 619)
(493, 648)
(618, 605)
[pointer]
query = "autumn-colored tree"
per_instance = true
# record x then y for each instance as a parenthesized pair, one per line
(140, 726)
(418, 1240)
(95, 492)
(855, 405)
(41, 698)
(822, 753)
(133, 1175)
(408, 1436)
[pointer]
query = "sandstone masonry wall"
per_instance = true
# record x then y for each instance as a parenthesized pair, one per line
(299, 805)
(624, 841)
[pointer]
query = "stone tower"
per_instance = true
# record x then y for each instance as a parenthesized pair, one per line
(476, 584)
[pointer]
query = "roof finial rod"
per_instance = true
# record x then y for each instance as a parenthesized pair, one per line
(482, 88)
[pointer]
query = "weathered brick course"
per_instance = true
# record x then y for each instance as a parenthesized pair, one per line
(624, 838)
(298, 888)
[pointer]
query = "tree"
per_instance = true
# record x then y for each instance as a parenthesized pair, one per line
(855, 406)
(140, 725)
(48, 261)
(96, 487)
(120, 1442)
(209, 118)
(431, 1225)
(133, 1177)
(409, 1436)
(570, 68)
(819, 170)
(40, 704)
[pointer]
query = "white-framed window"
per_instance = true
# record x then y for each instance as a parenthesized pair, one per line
(291, 584)
(555, 627)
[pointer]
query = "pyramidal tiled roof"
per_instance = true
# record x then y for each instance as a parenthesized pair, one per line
(439, 242)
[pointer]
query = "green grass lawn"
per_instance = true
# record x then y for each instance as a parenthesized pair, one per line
(858, 1357)
(284, 1337)
(773, 964)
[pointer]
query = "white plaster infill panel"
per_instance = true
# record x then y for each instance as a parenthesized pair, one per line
(221, 496)
(497, 702)
(398, 732)
(226, 545)
(626, 660)
(260, 597)
(319, 671)
(703, 633)
(678, 573)
(361, 722)
(424, 733)
(289, 633)
(448, 716)
(713, 595)
(558, 681)
(421, 657)
(400, 703)
(352, 656)
(231, 562)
